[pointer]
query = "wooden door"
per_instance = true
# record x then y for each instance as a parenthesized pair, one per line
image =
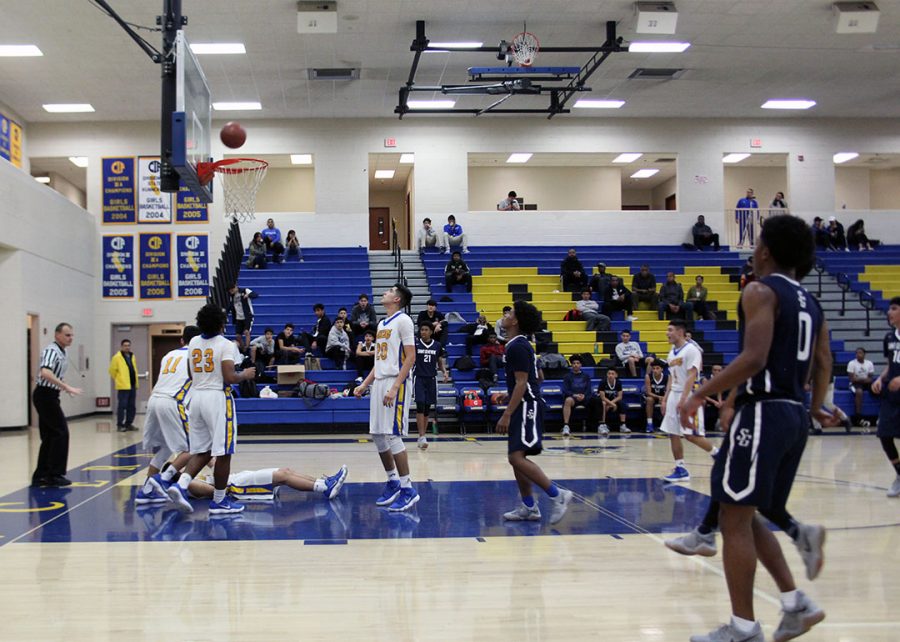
(379, 228)
(671, 203)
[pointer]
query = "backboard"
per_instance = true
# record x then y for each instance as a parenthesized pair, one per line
(191, 120)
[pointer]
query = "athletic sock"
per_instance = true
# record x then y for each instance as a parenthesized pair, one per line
(184, 481)
(405, 481)
(789, 600)
(168, 473)
(553, 491)
(679, 463)
(714, 451)
(741, 625)
(392, 475)
(528, 500)
(319, 485)
(218, 495)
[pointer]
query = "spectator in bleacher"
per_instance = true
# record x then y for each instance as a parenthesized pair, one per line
(572, 271)
(778, 203)
(703, 234)
(499, 330)
(861, 372)
(490, 355)
(643, 287)
(655, 383)
(713, 404)
(365, 353)
(435, 319)
(289, 347)
(240, 309)
(689, 338)
(823, 242)
(747, 274)
(696, 296)
(427, 236)
(342, 314)
(318, 336)
(457, 271)
(576, 391)
(337, 346)
(836, 235)
(856, 237)
(617, 297)
(362, 316)
(256, 252)
(272, 238)
(600, 281)
(630, 356)
(454, 236)
(477, 332)
(590, 312)
(510, 203)
(671, 300)
(607, 407)
(292, 245)
(262, 350)
(745, 215)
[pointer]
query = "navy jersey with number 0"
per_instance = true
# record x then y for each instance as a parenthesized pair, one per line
(797, 325)
(427, 358)
(520, 358)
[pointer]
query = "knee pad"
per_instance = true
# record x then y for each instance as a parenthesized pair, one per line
(382, 442)
(397, 445)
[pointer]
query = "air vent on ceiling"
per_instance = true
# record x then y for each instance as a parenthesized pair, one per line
(664, 160)
(337, 73)
(646, 73)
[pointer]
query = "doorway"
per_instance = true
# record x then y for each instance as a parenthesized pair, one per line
(671, 202)
(33, 359)
(379, 228)
(391, 203)
(139, 335)
(163, 339)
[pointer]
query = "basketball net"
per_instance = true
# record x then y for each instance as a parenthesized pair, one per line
(524, 48)
(240, 178)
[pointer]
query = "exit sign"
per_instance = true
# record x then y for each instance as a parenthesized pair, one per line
(755, 143)
(147, 312)
(390, 142)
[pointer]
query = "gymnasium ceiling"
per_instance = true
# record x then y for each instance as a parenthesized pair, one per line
(742, 53)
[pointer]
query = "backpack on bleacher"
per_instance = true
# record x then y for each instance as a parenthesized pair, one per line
(554, 365)
(247, 389)
(587, 359)
(464, 363)
(311, 390)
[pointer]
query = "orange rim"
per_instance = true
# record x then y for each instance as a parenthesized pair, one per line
(206, 171)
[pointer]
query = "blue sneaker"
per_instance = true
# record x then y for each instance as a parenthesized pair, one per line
(406, 500)
(678, 474)
(160, 484)
(180, 496)
(225, 506)
(153, 497)
(333, 484)
(391, 490)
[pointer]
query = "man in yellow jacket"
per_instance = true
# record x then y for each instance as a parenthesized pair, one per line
(123, 370)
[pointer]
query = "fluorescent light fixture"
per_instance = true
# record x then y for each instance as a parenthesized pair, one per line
(644, 173)
(734, 158)
(384, 173)
(42, 179)
(407, 159)
(626, 158)
(519, 157)
(20, 51)
(843, 157)
(202, 48)
(658, 47)
(248, 106)
(788, 104)
(589, 103)
(68, 108)
(301, 159)
(430, 104)
(452, 45)
(79, 161)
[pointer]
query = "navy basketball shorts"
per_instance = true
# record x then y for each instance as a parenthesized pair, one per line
(425, 393)
(526, 428)
(759, 458)
(889, 415)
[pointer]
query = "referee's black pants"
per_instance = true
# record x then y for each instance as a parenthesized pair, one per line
(54, 453)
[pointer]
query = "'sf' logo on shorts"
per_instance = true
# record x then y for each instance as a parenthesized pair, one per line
(744, 437)
(531, 414)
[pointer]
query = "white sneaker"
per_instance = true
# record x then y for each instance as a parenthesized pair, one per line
(603, 429)
(694, 543)
(895, 488)
(625, 430)
(523, 514)
(466, 251)
(565, 431)
(560, 505)
(422, 443)
(811, 542)
(798, 621)
(631, 318)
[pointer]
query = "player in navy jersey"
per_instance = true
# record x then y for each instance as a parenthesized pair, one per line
(656, 382)
(428, 359)
(523, 416)
(888, 385)
(782, 335)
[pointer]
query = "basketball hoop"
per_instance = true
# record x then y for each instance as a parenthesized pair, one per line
(524, 48)
(241, 178)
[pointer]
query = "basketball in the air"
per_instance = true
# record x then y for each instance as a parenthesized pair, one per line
(233, 135)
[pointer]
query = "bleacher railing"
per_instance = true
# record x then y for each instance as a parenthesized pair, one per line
(743, 225)
(228, 267)
(819, 267)
(843, 282)
(398, 257)
(868, 302)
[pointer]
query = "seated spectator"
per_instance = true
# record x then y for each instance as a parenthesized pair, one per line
(262, 350)
(457, 272)
(590, 312)
(365, 353)
(696, 296)
(490, 355)
(643, 287)
(272, 238)
(617, 297)
(362, 316)
(856, 237)
(427, 236)
(435, 319)
(747, 274)
(713, 404)
(778, 203)
(600, 281)
(342, 314)
(317, 337)
(607, 406)
(630, 355)
(656, 382)
(510, 203)
(292, 246)
(572, 271)
(499, 330)
(836, 235)
(477, 333)
(257, 251)
(454, 236)
(289, 347)
(823, 241)
(671, 300)
(703, 234)
(576, 390)
(337, 346)
(690, 339)
(861, 372)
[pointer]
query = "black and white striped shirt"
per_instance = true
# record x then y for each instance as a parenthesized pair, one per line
(55, 360)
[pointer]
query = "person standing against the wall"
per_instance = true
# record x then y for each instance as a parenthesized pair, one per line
(123, 370)
(54, 452)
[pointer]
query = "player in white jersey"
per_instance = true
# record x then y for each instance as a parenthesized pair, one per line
(685, 365)
(263, 484)
(395, 355)
(213, 421)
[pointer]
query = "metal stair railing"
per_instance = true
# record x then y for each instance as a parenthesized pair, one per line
(228, 267)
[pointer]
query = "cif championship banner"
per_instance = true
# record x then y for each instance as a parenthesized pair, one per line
(155, 258)
(118, 266)
(192, 257)
(154, 205)
(10, 140)
(118, 191)
(189, 208)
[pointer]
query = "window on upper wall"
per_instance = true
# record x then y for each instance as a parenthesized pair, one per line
(866, 181)
(765, 174)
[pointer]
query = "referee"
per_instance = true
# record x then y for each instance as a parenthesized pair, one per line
(54, 452)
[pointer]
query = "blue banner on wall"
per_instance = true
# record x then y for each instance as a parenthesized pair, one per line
(118, 191)
(189, 208)
(156, 266)
(118, 266)
(192, 256)
(4, 137)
